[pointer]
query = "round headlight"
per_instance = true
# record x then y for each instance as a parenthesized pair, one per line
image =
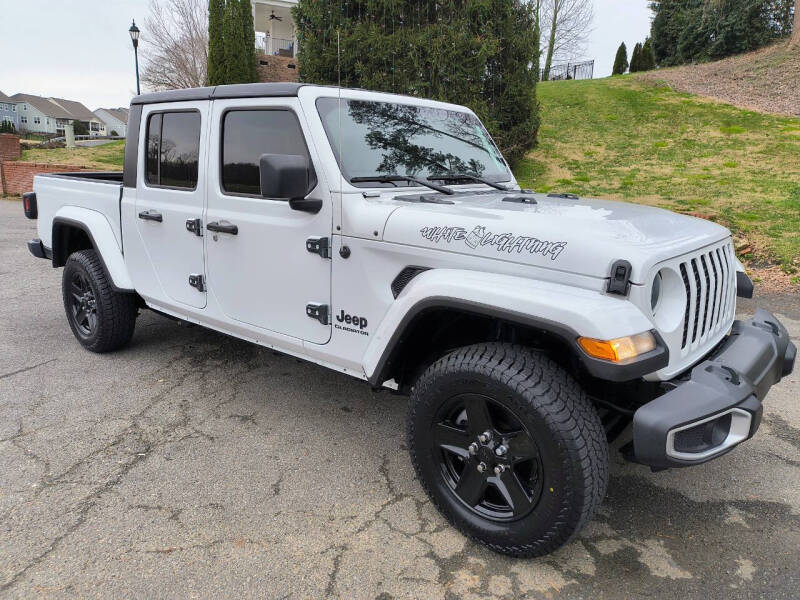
(655, 291)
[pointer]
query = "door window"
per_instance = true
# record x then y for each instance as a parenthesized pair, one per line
(246, 135)
(173, 149)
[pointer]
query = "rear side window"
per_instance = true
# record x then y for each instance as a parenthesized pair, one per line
(173, 149)
(246, 135)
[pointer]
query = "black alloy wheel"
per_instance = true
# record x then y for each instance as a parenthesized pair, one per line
(487, 457)
(83, 304)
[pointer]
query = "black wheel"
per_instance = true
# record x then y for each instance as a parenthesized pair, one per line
(508, 447)
(101, 319)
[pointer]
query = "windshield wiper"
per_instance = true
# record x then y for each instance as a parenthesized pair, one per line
(393, 178)
(468, 177)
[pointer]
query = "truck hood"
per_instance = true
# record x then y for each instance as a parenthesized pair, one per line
(576, 235)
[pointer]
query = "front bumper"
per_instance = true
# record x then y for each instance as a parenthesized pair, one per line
(719, 405)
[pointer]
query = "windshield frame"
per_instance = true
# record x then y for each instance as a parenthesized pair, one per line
(506, 177)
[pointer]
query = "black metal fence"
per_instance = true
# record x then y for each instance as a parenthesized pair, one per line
(580, 70)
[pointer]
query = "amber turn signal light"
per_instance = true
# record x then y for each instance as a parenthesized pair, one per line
(620, 349)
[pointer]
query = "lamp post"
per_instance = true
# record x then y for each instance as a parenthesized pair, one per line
(134, 31)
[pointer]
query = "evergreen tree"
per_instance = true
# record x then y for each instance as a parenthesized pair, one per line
(648, 61)
(216, 46)
(235, 51)
(481, 53)
(621, 60)
(250, 66)
(697, 30)
(636, 58)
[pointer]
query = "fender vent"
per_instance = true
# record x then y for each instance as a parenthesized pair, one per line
(402, 279)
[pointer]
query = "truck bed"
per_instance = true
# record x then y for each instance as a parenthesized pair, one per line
(59, 194)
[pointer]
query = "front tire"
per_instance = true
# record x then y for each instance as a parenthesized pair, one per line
(101, 319)
(508, 447)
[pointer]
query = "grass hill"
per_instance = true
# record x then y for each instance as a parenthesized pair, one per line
(630, 139)
(107, 157)
(767, 80)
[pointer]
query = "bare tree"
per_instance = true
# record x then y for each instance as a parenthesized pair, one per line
(796, 28)
(174, 44)
(569, 22)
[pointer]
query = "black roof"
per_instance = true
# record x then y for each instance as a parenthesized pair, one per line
(240, 90)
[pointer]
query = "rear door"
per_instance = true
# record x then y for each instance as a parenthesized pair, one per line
(170, 199)
(263, 274)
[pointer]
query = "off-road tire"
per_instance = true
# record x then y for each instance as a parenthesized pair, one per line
(553, 407)
(115, 311)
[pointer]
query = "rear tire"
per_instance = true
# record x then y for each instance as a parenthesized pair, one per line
(533, 482)
(101, 319)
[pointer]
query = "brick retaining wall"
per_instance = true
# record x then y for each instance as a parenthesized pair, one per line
(277, 68)
(17, 177)
(9, 147)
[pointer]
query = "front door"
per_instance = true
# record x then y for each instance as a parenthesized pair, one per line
(259, 269)
(169, 195)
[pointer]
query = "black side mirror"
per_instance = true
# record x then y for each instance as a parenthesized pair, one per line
(288, 177)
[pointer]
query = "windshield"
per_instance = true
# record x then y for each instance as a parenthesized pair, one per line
(381, 138)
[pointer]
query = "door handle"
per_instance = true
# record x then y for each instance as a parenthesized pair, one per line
(217, 227)
(151, 215)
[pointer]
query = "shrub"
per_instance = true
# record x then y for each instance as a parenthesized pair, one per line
(480, 53)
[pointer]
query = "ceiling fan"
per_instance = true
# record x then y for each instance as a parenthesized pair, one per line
(274, 17)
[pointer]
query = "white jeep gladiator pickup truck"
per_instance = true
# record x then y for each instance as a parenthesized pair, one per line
(385, 237)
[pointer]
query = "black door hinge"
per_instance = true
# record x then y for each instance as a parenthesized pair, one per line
(318, 312)
(620, 281)
(319, 245)
(195, 226)
(197, 281)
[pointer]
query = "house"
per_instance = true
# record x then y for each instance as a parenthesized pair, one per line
(115, 120)
(80, 113)
(8, 111)
(49, 115)
(275, 31)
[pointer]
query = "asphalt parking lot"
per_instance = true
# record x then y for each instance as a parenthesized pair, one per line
(196, 465)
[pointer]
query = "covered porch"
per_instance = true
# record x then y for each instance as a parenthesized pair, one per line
(275, 31)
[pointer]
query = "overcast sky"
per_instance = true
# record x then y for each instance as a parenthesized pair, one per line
(80, 49)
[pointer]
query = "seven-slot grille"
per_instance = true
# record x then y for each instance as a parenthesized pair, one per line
(710, 281)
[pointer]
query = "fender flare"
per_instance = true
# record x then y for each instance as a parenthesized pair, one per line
(100, 233)
(564, 311)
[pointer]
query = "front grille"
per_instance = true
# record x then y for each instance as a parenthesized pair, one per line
(710, 282)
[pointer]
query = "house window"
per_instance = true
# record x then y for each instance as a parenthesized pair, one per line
(13, 108)
(246, 135)
(47, 121)
(36, 120)
(24, 119)
(24, 107)
(173, 149)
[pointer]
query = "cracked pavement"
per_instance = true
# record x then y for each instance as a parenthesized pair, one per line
(196, 465)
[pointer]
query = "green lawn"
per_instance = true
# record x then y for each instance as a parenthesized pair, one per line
(106, 157)
(625, 139)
